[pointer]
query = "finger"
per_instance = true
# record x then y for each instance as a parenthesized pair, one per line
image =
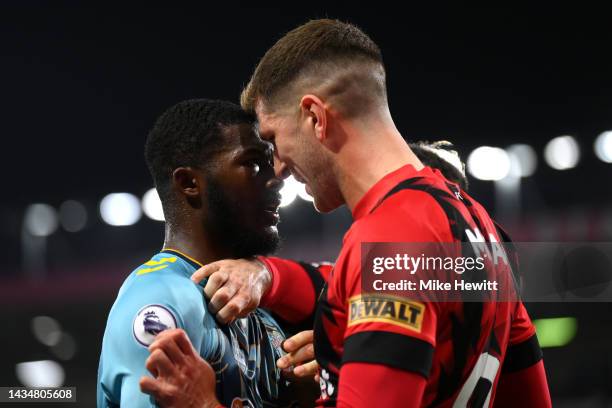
(150, 386)
(159, 364)
(184, 344)
(306, 370)
(317, 378)
(169, 346)
(166, 334)
(295, 342)
(215, 281)
(205, 271)
(221, 297)
(249, 306)
(233, 308)
(305, 353)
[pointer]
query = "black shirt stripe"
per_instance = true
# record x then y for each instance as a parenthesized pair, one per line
(522, 355)
(390, 349)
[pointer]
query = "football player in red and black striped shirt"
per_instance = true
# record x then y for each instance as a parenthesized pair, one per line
(299, 282)
(320, 96)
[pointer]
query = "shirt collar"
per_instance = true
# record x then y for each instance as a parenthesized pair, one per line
(196, 264)
(373, 196)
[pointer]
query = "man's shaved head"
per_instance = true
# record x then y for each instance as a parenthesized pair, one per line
(334, 60)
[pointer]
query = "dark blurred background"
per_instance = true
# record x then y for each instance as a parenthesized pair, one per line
(80, 86)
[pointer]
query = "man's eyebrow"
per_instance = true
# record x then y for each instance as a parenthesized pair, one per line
(262, 148)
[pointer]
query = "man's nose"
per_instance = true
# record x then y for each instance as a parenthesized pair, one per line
(281, 169)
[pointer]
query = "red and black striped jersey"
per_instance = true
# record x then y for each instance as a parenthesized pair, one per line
(460, 348)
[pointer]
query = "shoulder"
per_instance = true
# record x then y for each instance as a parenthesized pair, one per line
(163, 279)
(157, 295)
(408, 215)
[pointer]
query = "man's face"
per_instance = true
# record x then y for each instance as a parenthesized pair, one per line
(297, 150)
(243, 194)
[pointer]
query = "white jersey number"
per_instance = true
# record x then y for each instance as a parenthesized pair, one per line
(479, 384)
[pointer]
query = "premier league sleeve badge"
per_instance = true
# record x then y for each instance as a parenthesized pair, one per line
(150, 321)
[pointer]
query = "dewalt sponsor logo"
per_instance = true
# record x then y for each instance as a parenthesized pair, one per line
(386, 309)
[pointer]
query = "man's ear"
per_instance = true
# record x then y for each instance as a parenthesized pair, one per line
(188, 181)
(314, 110)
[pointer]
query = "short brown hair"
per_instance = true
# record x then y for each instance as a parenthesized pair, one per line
(317, 47)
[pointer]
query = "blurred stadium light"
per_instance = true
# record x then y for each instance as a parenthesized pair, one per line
(562, 153)
(47, 330)
(40, 220)
(303, 194)
(488, 163)
(556, 332)
(152, 206)
(120, 209)
(72, 216)
(289, 191)
(523, 160)
(603, 146)
(65, 349)
(44, 373)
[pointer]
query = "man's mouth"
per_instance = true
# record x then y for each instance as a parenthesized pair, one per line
(271, 209)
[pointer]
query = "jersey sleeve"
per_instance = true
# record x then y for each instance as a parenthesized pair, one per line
(367, 385)
(522, 328)
(150, 304)
(391, 330)
(523, 348)
(295, 288)
(527, 387)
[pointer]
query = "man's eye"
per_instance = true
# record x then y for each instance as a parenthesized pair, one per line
(254, 166)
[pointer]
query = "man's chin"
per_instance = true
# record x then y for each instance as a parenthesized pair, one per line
(269, 241)
(325, 207)
(264, 243)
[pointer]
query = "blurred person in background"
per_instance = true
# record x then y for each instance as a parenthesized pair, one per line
(220, 197)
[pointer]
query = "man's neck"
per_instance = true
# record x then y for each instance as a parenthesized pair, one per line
(190, 240)
(379, 149)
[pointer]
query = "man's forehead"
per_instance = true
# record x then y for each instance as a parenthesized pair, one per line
(241, 135)
(265, 116)
(267, 125)
(250, 139)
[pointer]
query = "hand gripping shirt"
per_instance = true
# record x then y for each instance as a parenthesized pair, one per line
(159, 295)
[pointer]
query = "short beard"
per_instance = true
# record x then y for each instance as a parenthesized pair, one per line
(223, 225)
